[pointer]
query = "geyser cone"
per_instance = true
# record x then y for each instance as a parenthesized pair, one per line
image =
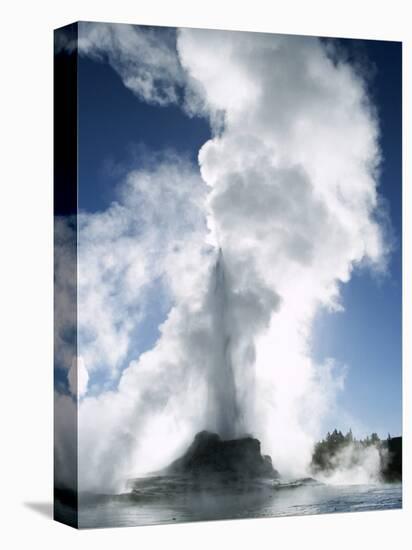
(210, 455)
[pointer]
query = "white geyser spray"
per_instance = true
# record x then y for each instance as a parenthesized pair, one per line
(239, 312)
(247, 256)
(223, 410)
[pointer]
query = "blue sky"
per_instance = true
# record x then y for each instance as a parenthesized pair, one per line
(114, 125)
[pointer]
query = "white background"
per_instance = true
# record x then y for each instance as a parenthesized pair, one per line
(26, 271)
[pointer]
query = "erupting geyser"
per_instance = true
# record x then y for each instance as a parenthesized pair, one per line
(228, 451)
(233, 258)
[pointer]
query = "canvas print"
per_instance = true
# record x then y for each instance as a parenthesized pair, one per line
(227, 275)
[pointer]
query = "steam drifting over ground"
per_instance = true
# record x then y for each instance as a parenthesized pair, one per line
(355, 464)
(245, 253)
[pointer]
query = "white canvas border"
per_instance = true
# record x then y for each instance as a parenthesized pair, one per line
(26, 274)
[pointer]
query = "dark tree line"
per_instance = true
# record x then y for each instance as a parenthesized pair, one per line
(326, 451)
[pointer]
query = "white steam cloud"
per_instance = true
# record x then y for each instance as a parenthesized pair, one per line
(245, 256)
(78, 378)
(292, 179)
(355, 466)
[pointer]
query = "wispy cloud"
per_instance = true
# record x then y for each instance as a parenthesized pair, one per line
(144, 58)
